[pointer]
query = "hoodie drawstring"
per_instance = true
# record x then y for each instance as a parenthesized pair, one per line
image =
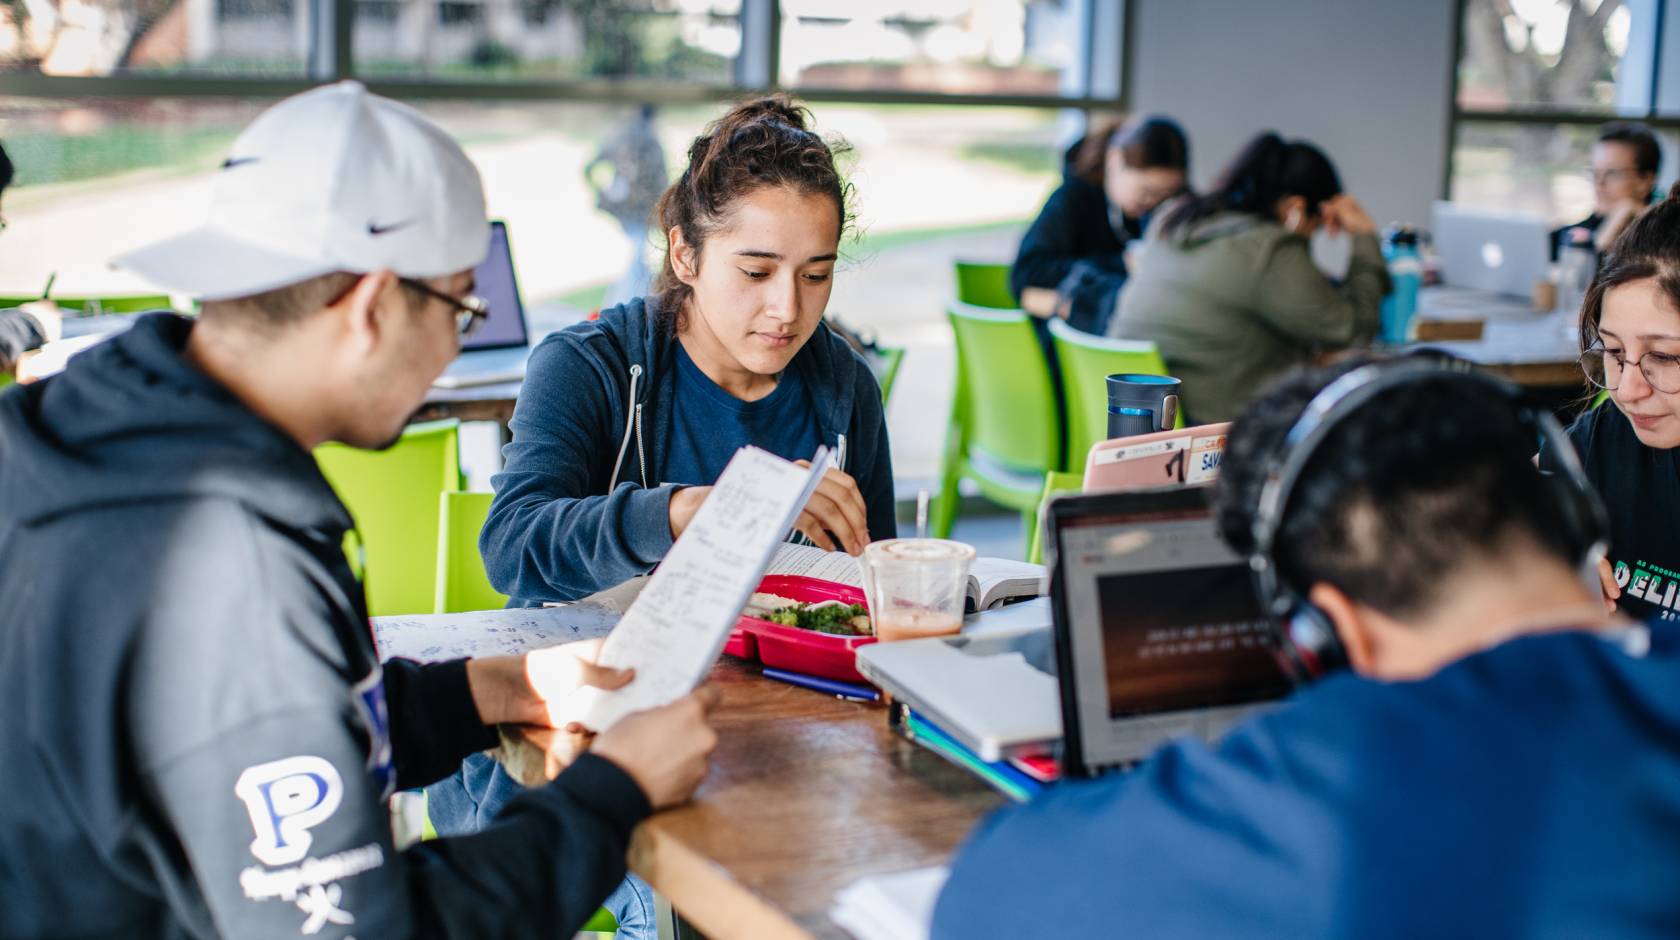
(630, 412)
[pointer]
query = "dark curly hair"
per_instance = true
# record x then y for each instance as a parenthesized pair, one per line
(1419, 481)
(759, 143)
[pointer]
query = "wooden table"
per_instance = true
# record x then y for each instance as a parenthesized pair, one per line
(1529, 348)
(806, 794)
(478, 403)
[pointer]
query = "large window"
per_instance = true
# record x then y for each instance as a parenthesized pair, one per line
(1537, 78)
(961, 46)
(1557, 54)
(157, 37)
(565, 39)
(117, 113)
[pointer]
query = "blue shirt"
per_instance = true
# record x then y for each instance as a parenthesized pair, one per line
(708, 425)
(1532, 790)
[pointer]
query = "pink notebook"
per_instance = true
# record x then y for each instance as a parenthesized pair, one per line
(1183, 455)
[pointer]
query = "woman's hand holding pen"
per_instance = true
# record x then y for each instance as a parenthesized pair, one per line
(836, 518)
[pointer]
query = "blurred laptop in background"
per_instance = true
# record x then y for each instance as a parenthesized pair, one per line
(497, 350)
(1500, 252)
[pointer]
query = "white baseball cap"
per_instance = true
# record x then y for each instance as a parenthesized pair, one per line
(334, 179)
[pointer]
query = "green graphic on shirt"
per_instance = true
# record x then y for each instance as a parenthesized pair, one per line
(1652, 584)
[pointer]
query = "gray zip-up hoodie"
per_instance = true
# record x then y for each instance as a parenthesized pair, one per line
(581, 503)
(188, 665)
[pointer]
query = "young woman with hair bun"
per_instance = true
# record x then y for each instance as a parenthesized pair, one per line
(625, 422)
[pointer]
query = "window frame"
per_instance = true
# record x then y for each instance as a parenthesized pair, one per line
(1458, 116)
(331, 59)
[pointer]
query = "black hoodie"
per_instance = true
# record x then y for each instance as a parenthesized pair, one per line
(1075, 228)
(199, 738)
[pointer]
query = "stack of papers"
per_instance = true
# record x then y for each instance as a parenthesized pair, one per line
(898, 906)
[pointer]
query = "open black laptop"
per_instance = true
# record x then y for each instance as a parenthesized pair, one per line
(497, 350)
(1157, 630)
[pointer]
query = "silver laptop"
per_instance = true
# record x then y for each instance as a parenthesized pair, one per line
(1158, 632)
(991, 688)
(497, 351)
(1501, 252)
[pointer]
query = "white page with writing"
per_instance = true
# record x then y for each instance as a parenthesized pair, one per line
(677, 626)
(808, 562)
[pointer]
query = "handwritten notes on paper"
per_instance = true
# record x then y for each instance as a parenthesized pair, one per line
(678, 624)
(436, 637)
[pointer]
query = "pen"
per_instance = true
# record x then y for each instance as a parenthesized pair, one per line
(47, 291)
(842, 689)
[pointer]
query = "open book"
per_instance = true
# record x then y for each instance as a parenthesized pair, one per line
(992, 582)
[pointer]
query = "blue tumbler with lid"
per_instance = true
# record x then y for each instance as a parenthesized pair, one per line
(1141, 404)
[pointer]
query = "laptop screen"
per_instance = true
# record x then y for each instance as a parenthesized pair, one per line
(493, 280)
(1157, 622)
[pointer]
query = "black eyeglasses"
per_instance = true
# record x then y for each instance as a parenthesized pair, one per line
(1604, 368)
(470, 310)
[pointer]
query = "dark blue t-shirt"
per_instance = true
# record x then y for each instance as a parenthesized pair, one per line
(708, 425)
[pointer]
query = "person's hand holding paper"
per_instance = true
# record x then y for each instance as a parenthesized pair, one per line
(676, 627)
(666, 750)
(520, 690)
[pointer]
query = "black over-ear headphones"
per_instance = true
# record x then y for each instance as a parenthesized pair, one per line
(1308, 646)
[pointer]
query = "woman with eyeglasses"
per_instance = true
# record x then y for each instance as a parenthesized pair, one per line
(1630, 340)
(1624, 178)
(1072, 262)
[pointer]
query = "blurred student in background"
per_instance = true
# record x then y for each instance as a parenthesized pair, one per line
(1624, 176)
(1226, 284)
(1072, 260)
(1630, 342)
(637, 162)
(23, 329)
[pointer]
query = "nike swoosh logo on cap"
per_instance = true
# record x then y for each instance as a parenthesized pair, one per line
(232, 162)
(374, 228)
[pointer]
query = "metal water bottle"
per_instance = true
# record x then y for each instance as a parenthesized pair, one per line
(1405, 269)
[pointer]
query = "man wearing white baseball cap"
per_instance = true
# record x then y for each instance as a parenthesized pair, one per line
(200, 737)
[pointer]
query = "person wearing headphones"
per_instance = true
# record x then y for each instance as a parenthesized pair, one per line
(1630, 346)
(1490, 751)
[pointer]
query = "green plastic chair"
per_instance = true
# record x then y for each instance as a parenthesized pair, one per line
(984, 284)
(393, 496)
(94, 304)
(891, 360)
(461, 581)
(1055, 484)
(1087, 361)
(1003, 433)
